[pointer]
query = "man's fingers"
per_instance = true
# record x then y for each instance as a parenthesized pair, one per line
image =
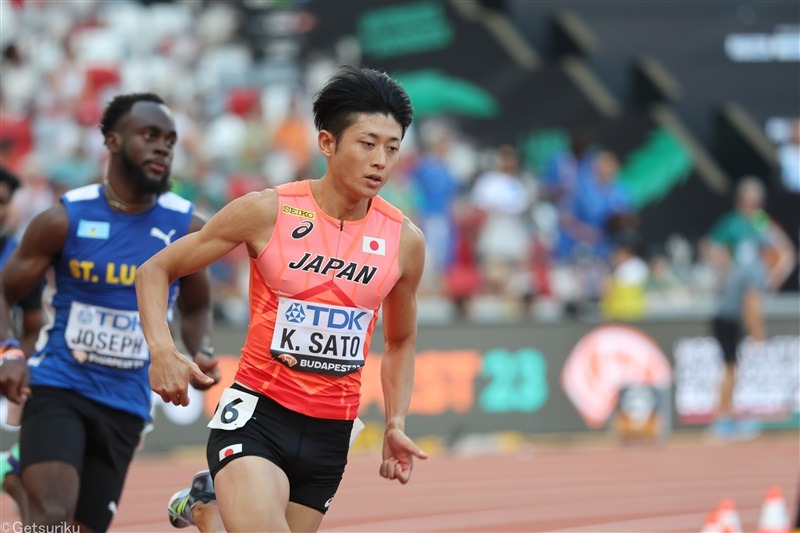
(175, 398)
(387, 469)
(419, 453)
(402, 474)
(201, 377)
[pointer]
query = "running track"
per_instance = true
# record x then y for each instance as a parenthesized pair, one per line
(590, 488)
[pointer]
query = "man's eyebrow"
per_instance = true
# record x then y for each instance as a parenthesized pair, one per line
(376, 136)
(158, 129)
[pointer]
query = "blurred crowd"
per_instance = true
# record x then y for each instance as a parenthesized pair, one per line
(504, 238)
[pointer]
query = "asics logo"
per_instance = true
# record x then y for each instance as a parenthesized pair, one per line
(303, 229)
(166, 237)
(328, 503)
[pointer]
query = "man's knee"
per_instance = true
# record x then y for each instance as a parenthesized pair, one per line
(49, 511)
(52, 492)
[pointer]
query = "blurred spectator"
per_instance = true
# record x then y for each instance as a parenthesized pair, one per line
(437, 187)
(464, 279)
(752, 253)
(586, 218)
(562, 174)
(789, 156)
(294, 137)
(624, 293)
(20, 78)
(229, 283)
(256, 134)
(73, 171)
(16, 135)
(35, 195)
(665, 283)
(401, 191)
(504, 240)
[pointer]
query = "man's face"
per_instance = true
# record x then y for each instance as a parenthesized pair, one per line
(366, 153)
(148, 142)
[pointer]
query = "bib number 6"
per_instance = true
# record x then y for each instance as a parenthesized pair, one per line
(234, 410)
(229, 413)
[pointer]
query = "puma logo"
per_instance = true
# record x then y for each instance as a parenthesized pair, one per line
(166, 237)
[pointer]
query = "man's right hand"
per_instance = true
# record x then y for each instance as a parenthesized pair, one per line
(170, 374)
(14, 379)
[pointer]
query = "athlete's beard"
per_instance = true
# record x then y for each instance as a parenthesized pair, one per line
(142, 183)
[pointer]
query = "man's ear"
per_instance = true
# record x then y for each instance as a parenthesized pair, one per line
(326, 142)
(113, 141)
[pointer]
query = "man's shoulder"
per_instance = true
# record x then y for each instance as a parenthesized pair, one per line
(388, 209)
(411, 234)
(254, 208)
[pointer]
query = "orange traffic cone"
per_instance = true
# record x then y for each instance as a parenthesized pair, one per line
(712, 523)
(728, 517)
(774, 516)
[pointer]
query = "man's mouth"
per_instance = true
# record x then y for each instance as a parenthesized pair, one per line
(157, 168)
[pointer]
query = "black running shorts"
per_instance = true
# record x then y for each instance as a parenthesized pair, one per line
(61, 425)
(728, 334)
(312, 452)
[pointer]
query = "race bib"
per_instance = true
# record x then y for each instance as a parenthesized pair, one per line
(320, 338)
(234, 410)
(106, 337)
(358, 427)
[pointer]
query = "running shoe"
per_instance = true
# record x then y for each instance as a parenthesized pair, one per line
(9, 464)
(181, 503)
(747, 429)
(723, 429)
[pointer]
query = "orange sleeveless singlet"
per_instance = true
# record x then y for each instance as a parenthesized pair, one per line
(315, 291)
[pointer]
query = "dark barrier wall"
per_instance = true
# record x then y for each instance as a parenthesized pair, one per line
(488, 378)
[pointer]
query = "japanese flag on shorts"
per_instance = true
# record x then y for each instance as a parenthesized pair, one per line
(373, 245)
(227, 451)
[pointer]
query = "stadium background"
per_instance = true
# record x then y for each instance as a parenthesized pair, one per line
(689, 96)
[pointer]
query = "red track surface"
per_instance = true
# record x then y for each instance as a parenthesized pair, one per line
(590, 488)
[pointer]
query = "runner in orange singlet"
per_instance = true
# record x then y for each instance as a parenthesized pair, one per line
(325, 255)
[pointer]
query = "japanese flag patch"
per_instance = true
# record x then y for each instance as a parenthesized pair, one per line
(373, 245)
(227, 451)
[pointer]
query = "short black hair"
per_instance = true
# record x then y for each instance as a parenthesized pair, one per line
(354, 90)
(8, 178)
(122, 104)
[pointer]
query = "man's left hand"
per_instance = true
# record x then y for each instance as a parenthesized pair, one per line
(208, 363)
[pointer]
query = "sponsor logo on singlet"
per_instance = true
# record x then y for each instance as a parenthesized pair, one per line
(303, 229)
(320, 338)
(166, 238)
(289, 210)
(106, 337)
